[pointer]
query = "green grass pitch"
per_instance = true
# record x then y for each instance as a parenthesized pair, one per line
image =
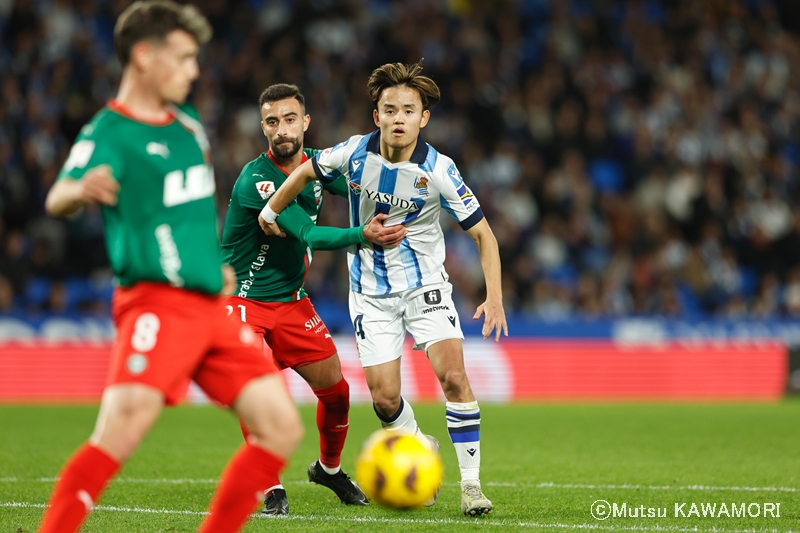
(543, 466)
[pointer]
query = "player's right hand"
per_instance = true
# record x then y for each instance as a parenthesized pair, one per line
(98, 186)
(228, 280)
(375, 232)
(270, 229)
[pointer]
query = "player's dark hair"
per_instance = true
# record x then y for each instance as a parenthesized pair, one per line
(281, 91)
(397, 74)
(153, 20)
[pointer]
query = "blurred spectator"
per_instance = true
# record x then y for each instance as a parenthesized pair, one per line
(632, 157)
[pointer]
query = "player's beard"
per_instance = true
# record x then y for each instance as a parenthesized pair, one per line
(285, 152)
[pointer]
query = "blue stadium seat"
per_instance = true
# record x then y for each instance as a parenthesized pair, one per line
(606, 175)
(103, 290)
(749, 281)
(37, 291)
(689, 302)
(565, 275)
(78, 290)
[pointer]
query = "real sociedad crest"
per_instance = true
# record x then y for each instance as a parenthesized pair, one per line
(421, 184)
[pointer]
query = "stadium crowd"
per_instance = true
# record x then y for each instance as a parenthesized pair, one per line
(633, 157)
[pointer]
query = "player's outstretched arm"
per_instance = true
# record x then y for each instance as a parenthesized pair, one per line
(484, 239)
(67, 196)
(288, 191)
(296, 222)
(338, 187)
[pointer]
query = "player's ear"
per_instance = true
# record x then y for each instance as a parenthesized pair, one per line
(426, 116)
(306, 122)
(142, 55)
(375, 117)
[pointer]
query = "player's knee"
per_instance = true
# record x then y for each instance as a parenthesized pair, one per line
(120, 436)
(281, 434)
(127, 414)
(386, 405)
(290, 428)
(454, 381)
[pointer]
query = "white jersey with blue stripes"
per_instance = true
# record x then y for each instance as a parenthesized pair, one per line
(411, 193)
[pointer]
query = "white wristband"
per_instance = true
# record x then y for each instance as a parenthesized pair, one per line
(268, 214)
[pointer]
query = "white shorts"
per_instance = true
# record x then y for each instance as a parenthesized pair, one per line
(381, 322)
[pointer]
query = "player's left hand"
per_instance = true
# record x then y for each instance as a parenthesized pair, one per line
(228, 280)
(495, 318)
(375, 232)
(270, 229)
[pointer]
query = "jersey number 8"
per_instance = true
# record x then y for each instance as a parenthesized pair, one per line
(145, 332)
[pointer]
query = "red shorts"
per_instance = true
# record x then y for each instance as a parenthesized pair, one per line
(167, 337)
(293, 330)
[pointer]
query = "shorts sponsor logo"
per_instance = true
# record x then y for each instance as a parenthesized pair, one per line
(136, 364)
(434, 309)
(452, 320)
(433, 297)
(313, 322)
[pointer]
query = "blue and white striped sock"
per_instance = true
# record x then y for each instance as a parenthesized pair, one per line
(464, 427)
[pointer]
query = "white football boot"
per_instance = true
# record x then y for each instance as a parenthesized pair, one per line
(473, 501)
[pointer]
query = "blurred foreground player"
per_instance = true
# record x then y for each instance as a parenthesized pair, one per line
(145, 159)
(405, 288)
(271, 271)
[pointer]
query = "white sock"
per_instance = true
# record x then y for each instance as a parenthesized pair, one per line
(464, 427)
(402, 419)
(330, 471)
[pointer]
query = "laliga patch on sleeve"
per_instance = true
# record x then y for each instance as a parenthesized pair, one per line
(322, 157)
(265, 189)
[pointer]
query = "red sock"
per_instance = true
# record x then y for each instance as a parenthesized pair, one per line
(332, 410)
(241, 489)
(81, 481)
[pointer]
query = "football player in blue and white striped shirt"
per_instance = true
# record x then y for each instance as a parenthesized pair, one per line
(405, 288)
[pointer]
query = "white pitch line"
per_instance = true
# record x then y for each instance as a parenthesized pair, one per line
(627, 486)
(482, 522)
(543, 485)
